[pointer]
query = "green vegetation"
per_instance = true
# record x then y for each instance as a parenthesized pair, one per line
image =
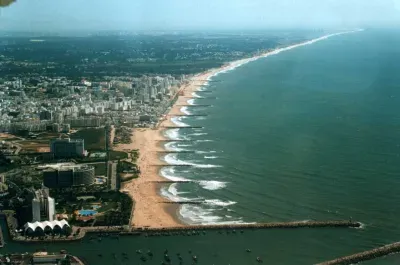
(117, 155)
(134, 155)
(94, 138)
(107, 207)
(99, 169)
(126, 179)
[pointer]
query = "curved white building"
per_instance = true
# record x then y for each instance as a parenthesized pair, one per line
(46, 226)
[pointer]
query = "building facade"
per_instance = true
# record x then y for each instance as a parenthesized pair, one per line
(68, 176)
(43, 206)
(67, 148)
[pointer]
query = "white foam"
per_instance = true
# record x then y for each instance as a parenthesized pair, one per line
(172, 146)
(184, 145)
(204, 140)
(172, 134)
(190, 101)
(185, 110)
(174, 191)
(169, 173)
(216, 202)
(212, 184)
(210, 157)
(178, 121)
(196, 214)
(173, 160)
(194, 94)
(198, 134)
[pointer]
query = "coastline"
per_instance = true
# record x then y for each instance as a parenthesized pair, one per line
(150, 211)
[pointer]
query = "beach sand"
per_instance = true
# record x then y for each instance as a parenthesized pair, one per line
(149, 209)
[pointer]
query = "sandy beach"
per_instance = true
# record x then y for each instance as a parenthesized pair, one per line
(149, 209)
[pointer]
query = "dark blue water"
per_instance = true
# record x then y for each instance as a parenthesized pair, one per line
(310, 133)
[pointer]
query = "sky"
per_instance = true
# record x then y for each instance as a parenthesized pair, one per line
(70, 15)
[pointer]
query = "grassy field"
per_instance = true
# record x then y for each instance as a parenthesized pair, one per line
(116, 155)
(94, 138)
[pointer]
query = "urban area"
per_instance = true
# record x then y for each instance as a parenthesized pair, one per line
(66, 101)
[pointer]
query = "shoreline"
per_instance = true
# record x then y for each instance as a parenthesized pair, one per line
(149, 211)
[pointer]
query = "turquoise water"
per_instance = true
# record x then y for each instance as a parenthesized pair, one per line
(87, 212)
(310, 133)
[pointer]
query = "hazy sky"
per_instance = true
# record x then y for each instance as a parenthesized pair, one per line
(58, 15)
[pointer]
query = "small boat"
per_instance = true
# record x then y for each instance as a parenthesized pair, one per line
(194, 258)
(248, 250)
(149, 253)
(259, 260)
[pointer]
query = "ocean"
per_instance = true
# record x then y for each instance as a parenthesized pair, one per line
(311, 133)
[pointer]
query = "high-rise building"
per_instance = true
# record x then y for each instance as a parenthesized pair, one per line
(67, 148)
(46, 115)
(43, 206)
(68, 176)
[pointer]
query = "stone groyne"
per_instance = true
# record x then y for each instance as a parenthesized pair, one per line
(275, 225)
(119, 230)
(364, 256)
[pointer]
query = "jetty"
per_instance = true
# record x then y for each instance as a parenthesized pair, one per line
(187, 115)
(202, 97)
(210, 81)
(366, 255)
(170, 181)
(137, 231)
(176, 152)
(194, 105)
(275, 225)
(182, 202)
(171, 165)
(180, 127)
(170, 140)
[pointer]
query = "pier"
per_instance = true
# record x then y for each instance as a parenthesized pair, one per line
(364, 256)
